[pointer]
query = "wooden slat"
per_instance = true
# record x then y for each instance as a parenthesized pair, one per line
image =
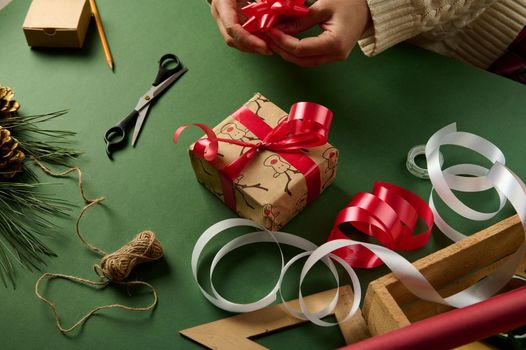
(389, 304)
(234, 332)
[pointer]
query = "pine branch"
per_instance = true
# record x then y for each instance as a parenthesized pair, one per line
(25, 206)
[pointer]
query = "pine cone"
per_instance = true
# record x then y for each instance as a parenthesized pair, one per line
(11, 157)
(8, 106)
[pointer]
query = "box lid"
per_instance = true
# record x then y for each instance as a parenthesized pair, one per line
(57, 14)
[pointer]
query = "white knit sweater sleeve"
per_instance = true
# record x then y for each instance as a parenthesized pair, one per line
(434, 21)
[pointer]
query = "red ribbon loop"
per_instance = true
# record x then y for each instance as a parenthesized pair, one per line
(306, 126)
(389, 214)
(264, 13)
(205, 148)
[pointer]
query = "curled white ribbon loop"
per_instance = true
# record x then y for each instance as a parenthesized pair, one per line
(445, 180)
(216, 299)
(508, 186)
(450, 136)
(265, 236)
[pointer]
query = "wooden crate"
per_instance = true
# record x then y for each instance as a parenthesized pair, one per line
(388, 305)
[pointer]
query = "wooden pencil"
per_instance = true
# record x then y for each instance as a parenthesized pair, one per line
(102, 35)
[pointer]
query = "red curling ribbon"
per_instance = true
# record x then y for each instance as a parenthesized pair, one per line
(207, 148)
(389, 214)
(264, 13)
(306, 126)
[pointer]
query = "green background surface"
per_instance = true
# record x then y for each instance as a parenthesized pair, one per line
(382, 106)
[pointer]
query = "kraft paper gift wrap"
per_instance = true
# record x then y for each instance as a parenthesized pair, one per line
(269, 190)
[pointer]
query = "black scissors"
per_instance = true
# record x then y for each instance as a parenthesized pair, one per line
(170, 69)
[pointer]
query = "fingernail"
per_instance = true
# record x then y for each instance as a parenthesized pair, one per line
(263, 51)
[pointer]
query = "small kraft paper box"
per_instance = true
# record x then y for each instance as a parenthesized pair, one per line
(269, 190)
(57, 23)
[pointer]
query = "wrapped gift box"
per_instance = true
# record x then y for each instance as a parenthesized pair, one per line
(269, 190)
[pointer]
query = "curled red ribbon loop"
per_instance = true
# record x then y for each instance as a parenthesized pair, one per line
(306, 126)
(389, 214)
(264, 13)
(206, 148)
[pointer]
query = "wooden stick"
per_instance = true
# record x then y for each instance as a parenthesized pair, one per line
(235, 332)
(102, 35)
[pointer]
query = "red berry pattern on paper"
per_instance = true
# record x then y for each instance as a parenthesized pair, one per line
(270, 217)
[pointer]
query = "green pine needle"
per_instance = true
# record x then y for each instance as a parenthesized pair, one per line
(25, 207)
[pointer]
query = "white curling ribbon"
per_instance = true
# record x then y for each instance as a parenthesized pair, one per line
(260, 236)
(508, 186)
(445, 180)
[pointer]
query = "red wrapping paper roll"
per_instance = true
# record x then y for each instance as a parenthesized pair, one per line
(457, 327)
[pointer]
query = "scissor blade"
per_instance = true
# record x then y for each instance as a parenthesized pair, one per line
(138, 124)
(156, 90)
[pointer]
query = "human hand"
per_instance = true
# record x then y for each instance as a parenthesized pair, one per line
(227, 16)
(343, 22)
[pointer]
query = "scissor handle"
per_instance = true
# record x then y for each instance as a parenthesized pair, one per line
(165, 72)
(115, 137)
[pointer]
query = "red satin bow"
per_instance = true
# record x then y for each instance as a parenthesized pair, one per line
(263, 14)
(390, 214)
(306, 126)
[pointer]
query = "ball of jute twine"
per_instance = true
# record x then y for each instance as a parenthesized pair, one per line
(119, 264)
(113, 267)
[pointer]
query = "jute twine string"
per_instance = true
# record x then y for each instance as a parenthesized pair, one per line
(113, 268)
